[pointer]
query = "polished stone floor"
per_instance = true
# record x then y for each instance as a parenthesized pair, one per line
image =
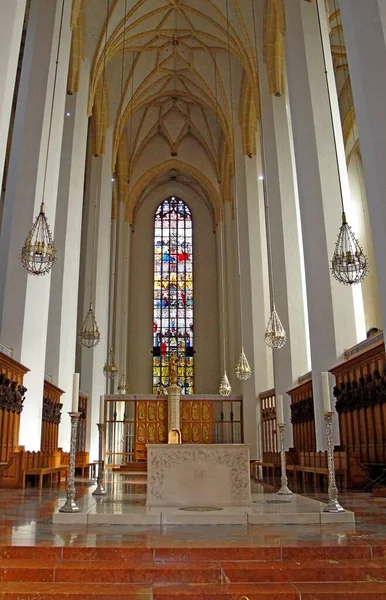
(26, 520)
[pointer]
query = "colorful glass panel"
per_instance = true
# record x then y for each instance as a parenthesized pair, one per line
(173, 295)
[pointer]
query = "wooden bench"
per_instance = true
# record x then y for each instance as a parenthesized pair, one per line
(87, 469)
(41, 472)
(12, 474)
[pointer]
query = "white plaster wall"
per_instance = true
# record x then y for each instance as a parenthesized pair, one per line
(140, 334)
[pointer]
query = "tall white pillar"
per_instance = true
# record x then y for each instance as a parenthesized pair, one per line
(293, 359)
(254, 294)
(11, 27)
(332, 322)
(62, 318)
(96, 272)
(122, 287)
(25, 298)
(364, 25)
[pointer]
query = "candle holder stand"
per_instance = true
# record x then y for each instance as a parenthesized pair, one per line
(100, 490)
(284, 490)
(70, 505)
(333, 505)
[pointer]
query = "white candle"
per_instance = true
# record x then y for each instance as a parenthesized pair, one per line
(102, 410)
(326, 392)
(279, 410)
(75, 393)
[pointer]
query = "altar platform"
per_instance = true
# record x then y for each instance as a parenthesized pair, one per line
(121, 508)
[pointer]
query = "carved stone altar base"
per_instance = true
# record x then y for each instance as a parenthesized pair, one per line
(198, 475)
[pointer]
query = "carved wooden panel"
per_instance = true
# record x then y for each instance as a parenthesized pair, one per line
(196, 421)
(151, 425)
(11, 404)
(302, 417)
(50, 417)
(268, 426)
(360, 393)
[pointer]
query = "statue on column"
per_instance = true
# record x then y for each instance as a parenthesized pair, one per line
(173, 364)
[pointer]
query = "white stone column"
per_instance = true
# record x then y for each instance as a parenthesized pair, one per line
(25, 298)
(122, 287)
(293, 359)
(332, 322)
(364, 25)
(62, 318)
(96, 273)
(254, 293)
(11, 27)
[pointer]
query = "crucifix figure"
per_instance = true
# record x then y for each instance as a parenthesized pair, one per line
(173, 363)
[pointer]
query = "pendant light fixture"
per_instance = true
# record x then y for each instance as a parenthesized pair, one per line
(89, 335)
(225, 388)
(275, 336)
(242, 369)
(38, 253)
(122, 385)
(110, 369)
(349, 264)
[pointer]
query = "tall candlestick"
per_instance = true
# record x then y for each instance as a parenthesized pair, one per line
(102, 410)
(279, 410)
(75, 393)
(326, 393)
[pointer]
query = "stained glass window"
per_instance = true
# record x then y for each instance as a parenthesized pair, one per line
(173, 295)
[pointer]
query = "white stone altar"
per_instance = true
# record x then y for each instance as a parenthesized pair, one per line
(198, 475)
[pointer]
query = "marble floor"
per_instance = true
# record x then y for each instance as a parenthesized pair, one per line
(124, 504)
(26, 519)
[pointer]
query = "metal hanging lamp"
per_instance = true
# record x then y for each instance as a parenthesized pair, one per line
(38, 253)
(89, 336)
(110, 369)
(275, 336)
(225, 387)
(122, 385)
(242, 369)
(349, 265)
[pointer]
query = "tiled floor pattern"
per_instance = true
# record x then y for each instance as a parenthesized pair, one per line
(39, 560)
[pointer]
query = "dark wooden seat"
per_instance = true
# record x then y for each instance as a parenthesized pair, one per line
(41, 472)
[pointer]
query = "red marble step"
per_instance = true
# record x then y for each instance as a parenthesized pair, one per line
(274, 591)
(305, 571)
(108, 572)
(70, 591)
(149, 572)
(263, 591)
(194, 553)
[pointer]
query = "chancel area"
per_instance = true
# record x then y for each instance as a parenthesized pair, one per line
(192, 283)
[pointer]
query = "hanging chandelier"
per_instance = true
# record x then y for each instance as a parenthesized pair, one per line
(122, 385)
(275, 335)
(349, 264)
(38, 253)
(225, 387)
(110, 370)
(243, 370)
(89, 336)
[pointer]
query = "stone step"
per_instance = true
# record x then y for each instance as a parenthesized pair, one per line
(263, 591)
(186, 553)
(220, 572)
